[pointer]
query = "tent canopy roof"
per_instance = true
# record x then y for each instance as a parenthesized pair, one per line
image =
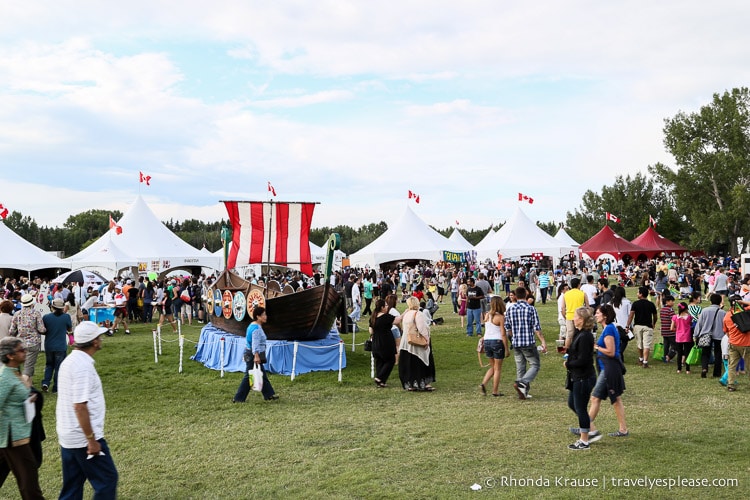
(606, 241)
(563, 237)
(459, 242)
(17, 253)
(409, 238)
(518, 237)
(656, 243)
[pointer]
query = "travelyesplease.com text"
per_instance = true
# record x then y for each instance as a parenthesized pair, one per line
(608, 482)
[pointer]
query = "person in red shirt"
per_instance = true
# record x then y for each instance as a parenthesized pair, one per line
(739, 342)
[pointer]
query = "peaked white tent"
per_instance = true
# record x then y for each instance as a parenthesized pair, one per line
(518, 237)
(17, 253)
(148, 242)
(409, 238)
(459, 242)
(487, 237)
(563, 237)
(103, 256)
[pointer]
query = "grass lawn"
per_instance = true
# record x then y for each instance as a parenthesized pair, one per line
(177, 435)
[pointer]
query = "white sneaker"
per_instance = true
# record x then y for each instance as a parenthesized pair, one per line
(579, 446)
(595, 436)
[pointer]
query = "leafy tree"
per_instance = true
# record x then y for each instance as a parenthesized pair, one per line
(632, 200)
(710, 185)
(550, 228)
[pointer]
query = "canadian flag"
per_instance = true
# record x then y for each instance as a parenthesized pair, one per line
(144, 178)
(113, 224)
(3, 212)
(613, 218)
(523, 197)
(413, 195)
(652, 221)
(271, 189)
(457, 223)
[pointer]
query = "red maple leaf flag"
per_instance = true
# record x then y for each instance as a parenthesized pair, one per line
(523, 197)
(3, 212)
(144, 178)
(652, 221)
(113, 224)
(271, 189)
(613, 218)
(457, 223)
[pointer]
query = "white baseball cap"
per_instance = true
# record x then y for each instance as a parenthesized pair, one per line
(86, 331)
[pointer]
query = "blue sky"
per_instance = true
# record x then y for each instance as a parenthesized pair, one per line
(350, 104)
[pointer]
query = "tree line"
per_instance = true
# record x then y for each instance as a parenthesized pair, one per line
(699, 202)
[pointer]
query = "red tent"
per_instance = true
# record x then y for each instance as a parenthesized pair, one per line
(607, 241)
(653, 241)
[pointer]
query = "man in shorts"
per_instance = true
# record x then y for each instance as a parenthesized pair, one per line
(643, 315)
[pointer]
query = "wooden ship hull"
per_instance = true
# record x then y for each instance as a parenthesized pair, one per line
(305, 314)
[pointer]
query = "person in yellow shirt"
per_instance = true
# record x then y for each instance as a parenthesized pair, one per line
(574, 298)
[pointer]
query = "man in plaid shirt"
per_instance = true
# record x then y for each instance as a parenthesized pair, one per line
(522, 324)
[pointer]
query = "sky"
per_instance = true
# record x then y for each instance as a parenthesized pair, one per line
(350, 104)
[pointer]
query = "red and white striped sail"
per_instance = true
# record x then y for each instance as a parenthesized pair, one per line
(270, 232)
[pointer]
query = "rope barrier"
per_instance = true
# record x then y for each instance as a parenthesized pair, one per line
(158, 340)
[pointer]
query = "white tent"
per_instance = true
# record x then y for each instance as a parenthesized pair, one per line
(487, 237)
(459, 242)
(17, 253)
(103, 256)
(148, 242)
(563, 237)
(409, 238)
(519, 237)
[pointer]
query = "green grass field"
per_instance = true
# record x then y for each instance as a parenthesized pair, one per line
(177, 435)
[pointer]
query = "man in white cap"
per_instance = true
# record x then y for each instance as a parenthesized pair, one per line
(58, 325)
(27, 325)
(80, 419)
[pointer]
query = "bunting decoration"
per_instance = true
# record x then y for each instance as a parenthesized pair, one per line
(271, 189)
(3, 212)
(523, 197)
(144, 178)
(113, 224)
(612, 217)
(413, 196)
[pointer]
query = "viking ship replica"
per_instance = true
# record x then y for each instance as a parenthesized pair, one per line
(270, 232)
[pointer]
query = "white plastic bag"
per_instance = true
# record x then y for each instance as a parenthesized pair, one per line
(256, 375)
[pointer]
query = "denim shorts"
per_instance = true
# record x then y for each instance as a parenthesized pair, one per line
(600, 389)
(495, 349)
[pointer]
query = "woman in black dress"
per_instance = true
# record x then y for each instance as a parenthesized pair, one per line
(383, 343)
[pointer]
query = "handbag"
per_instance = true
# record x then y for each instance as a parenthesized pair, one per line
(742, 321)
(249, 357)
(694, 357)
(368, 345)
(413, 337)
(704, 340)
(256, 374)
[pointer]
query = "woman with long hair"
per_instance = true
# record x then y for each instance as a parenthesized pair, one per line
(681, 324)
(416, 366)
(621, 305)
(581, 376)
(383, 342)
(610, 382)
(495, 344)
(462, 301)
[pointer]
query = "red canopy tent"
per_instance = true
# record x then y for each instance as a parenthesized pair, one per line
(607, 241)
(653, 241)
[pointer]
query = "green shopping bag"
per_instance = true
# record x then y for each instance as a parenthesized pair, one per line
(694, 358)
(658, 351)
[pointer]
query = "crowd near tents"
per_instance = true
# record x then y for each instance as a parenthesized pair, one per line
(140, 244)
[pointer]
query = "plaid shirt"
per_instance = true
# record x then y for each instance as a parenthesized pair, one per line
(522, 321)
(27, 325)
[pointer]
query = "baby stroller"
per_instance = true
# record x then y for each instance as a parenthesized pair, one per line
(625, 280)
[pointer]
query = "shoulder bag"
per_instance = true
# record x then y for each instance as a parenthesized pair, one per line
(704, 338)
(413, 337)
(742, 321)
